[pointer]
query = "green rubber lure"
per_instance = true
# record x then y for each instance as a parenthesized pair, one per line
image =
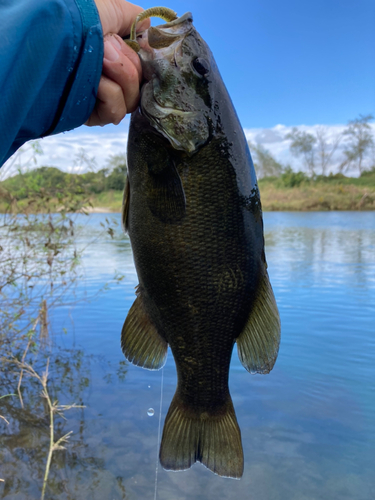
(162, 12)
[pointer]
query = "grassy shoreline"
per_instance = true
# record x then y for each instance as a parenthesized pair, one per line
(301, 199)
(292, 191)
(317, 197)
(311, 197)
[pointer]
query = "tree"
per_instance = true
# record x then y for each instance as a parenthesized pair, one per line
(303, 145)
(116, 165)
(21, 160)
(316, 149)
(264, 163)
(360, 142)
(84, 162)
(325, 149)
(115, 161)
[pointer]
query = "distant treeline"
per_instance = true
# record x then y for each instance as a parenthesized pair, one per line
(290, 179)
(53, 182)
(314, 150)
(48, 189)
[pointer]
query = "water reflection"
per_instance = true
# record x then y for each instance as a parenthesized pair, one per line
(308, 427)
(77, 472)
(322, 255)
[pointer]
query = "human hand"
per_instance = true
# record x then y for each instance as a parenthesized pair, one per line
(118, 91)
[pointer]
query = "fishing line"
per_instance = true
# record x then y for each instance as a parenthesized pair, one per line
(157, 448)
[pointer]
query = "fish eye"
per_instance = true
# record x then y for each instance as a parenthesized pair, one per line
(201, 66)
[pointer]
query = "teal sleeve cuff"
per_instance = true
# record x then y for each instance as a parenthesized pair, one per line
(51, 57)
(76, 107)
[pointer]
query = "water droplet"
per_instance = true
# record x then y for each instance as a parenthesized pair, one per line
(85, 98)
(90, 49)
(149, 386)
(75, 48)
(90, 32)
(150, 412)
(70, 69)
(78, 102)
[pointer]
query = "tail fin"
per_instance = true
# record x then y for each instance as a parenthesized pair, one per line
(212, 439)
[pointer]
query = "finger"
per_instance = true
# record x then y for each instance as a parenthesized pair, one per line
(121, 65)
(118, 16)
(119, 45)
(110, 104)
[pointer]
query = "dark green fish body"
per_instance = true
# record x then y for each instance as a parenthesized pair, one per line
(194, 218)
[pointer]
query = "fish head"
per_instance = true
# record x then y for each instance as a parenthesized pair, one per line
(179, 73)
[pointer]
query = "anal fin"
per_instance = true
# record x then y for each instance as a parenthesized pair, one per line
(258, 343)
(141, 343)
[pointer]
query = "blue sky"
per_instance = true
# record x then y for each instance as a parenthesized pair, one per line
(285, 63)
(291, 62)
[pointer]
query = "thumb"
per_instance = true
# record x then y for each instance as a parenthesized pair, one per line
(117, 16)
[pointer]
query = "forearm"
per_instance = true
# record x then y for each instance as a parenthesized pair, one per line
(51, 55)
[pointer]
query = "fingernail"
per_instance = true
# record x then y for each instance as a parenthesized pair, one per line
(115, 40)
(111, 49)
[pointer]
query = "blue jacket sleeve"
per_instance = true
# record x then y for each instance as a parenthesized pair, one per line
(51, 56)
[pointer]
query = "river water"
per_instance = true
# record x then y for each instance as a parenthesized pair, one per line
(308, 428)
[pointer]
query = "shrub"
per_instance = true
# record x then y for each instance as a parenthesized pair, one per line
(293, 179)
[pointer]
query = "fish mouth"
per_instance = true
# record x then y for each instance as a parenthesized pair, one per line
(165, 34)
(161, 110)
(158, 41)
(167, 100)
(158, 44)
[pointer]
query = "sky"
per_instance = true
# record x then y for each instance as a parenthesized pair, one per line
(285, 63)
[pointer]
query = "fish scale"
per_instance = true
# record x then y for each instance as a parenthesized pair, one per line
(193, 214)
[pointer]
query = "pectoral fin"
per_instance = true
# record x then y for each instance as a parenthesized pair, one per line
(166, 196)
(141, 343)
(125, 206)
(164, 190)
(258, 344)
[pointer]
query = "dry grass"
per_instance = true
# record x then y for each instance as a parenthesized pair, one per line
(314, 196)
(317, 197)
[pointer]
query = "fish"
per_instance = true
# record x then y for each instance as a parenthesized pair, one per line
(193, 213)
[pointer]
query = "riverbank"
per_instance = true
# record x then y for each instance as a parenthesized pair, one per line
(292, 191)
(317, 196)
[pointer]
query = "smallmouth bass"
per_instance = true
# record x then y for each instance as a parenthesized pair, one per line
(192, 210)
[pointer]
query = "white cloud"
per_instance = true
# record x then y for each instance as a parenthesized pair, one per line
(62, 150)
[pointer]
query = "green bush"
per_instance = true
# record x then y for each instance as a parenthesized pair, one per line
(116, 179)
(53, 182)
(293, 179)
(368, 173)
